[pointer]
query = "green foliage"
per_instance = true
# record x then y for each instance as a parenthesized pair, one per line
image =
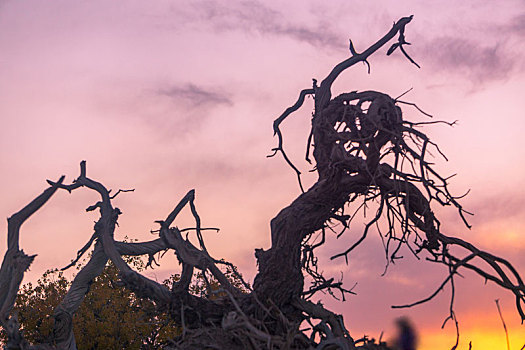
(111, 316)
(35, 305)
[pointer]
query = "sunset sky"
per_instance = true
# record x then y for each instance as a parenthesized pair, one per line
(165, 96)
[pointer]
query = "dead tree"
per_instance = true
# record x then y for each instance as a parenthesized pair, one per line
(365, 155)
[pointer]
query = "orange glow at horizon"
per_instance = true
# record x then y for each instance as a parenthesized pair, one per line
(481, 339)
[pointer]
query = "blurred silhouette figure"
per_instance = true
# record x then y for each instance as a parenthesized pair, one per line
(406, 337)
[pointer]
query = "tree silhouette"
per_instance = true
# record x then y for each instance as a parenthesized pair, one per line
(365, 155)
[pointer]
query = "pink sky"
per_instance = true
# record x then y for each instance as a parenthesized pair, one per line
(166, 96)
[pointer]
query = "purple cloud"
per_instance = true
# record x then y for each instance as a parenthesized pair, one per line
(516, 26)
(255, 17)
(196, 96)
(475, 61)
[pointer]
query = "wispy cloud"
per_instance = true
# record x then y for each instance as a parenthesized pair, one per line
(195, 96)
(476, 61)
(504, 206)
(516, 26)
(177, 108)
(257, 18)
(489, 51)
